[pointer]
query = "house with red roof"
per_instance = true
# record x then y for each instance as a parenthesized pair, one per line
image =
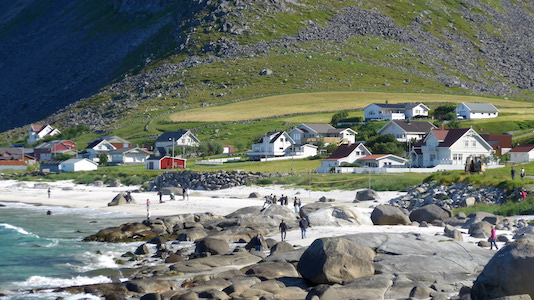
(13, 165)
(48, 150)
(449, 147)
(501, 143)
(344, 154)
(522, 153)
(39, 132)
(382, 161)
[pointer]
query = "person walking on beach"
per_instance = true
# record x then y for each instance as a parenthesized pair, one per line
(493, 237)
(296, 205)
(184, 192)
(522, 174)
(512, 173)
(49, 193)
(303, 224)
(160, 194)
(148, 209)
(283, 229)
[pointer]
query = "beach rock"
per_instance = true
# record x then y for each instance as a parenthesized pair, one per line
(309, 208)
(97, 289)
(324, 199)
(271, 270)
(338, 216)
(212, 246)
(429, 213)
(335, 260)
(175, 190)
(123, 233)
(372, 287)
(292, 256)
(150, 285)
(186, 296)
(480, 229)
(367, 195)
(281, 247)
(120, 199)
(115, 183)
(453, 233)
(240, 284)
(142, 250)
(389, 215)
(191, 235)
(151, 296)
(254, 195)
(213, 294)
(514, 297)
(508, 273)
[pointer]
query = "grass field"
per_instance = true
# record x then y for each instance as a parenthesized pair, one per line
(319, 102)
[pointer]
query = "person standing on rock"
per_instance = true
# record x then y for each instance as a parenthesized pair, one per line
(493, 238)
(303, 224)
(522, 174)
(512, 173)
(256, 241)
(283, 229)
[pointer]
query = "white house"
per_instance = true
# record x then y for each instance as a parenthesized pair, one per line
(406, 130)
(181, 138)
(382, 161)
(78, 164)
(307, 133)
(476, 111)
(96, 148)
(397, 111)
(344, 154)
(522, 153)
(449, 147)
(129, 156)
(272, 144)
(39, 132)
(302, 151)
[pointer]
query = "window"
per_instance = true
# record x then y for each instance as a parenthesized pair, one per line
(466, 143)
(473, 144)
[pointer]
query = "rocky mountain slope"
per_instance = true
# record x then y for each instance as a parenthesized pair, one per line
(112, 61)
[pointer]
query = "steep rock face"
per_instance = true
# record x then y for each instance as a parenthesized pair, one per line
(57, 52)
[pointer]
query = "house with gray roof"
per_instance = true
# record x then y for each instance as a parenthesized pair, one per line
(307, 133)
(394, 111)
(407, 130)
(475, 110)
(175, 140)
(344, 154)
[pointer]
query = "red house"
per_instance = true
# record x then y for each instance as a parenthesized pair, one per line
(165, 162)
(48, 150)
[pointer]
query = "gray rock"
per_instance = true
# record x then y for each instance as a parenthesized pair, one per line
(508, 273)
(271, 270)
(281, 247)
(254, 195)
(367, 195)
(430, 213)
(335, 260)
(150, 286)
(212, 246)
(372, 287)
(389, 215)
(309, 208)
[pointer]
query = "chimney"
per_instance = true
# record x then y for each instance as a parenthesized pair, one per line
(442, 126)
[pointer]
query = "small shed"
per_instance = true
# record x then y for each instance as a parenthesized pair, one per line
(50, 166)
(78, 164)
(13, 165)
(165, 162)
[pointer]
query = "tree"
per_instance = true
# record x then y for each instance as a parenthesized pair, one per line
(385, 144)
(445, 112)
(103, 159)
(208, 148)
(336, 118)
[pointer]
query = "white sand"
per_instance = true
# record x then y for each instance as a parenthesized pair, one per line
(221, 202)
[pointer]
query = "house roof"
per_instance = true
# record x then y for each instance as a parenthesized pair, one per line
(77, 160)
(498, 140)
(158, 158)
(319, 128)
(523, 148)
(276, 136)
(410, 126)
(52, 144)
(96, 142)
(481, 107)
(37, 127)
(344, 150)
(51, 163)
(129, 149)
(380, 156)
(391, 105)
(12, 163)
(452, 136)
(114, 139)
(169, 135)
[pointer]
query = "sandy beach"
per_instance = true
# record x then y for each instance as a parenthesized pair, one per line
(220, 202)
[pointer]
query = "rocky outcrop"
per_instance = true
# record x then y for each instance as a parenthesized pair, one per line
(205, 181)
(508, 273)
(389, 215)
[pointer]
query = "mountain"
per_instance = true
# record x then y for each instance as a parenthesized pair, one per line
(107, 63)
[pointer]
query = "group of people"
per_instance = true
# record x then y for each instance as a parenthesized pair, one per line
(272, 199)
(522, 173)
(172, 197)
(303, 225)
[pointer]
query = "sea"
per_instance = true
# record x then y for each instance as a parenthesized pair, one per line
(40, 251)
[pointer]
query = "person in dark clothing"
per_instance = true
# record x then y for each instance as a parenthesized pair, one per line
(303, 224)
(512, 173)
(256, 241)
(283, 229)
(160, 194)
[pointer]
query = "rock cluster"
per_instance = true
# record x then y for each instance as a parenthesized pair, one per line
(448, 197)
(206, 180)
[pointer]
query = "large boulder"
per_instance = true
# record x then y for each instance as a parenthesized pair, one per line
(175, 190)
(271, 270)
(389, 215)
(212, 246)
(367, 195)
(430, 213)
(120, 199)
(338, 216)
(508, 273)
(336, 260)
(309, 208)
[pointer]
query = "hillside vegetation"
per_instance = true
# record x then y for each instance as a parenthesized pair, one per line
(129, 64)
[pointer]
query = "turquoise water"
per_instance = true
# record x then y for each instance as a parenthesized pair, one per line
(40, 251)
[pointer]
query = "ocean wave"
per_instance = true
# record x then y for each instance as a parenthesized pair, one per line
(51, 282)
(17, 229)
